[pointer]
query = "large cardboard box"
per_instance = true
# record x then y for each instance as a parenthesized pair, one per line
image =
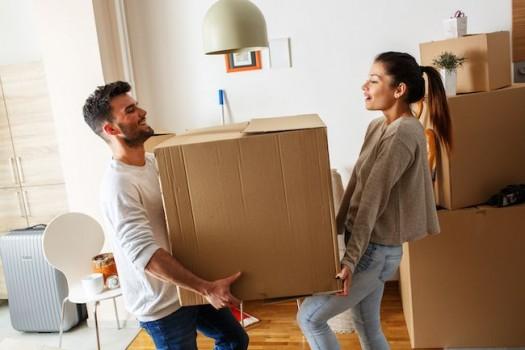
(488, 131)
(465, 287)
(488, 63)
(253, 197)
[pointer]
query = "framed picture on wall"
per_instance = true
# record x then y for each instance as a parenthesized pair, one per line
(242, 61)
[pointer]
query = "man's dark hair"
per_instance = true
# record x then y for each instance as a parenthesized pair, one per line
(97, 108)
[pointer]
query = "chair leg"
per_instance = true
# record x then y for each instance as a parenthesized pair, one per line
(96, 325)
(61, 328)
(242, 314)
(116, 312)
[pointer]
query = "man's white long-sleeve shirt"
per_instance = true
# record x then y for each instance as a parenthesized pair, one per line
(132, 207)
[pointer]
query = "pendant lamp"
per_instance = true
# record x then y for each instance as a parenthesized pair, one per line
(233, 26)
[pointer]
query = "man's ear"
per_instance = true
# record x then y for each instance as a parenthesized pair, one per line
(401, 90)
(109, 129)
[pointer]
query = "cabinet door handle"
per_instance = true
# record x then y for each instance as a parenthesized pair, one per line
(20, 170)
(13, 171)
(20, 205)
(26, 203)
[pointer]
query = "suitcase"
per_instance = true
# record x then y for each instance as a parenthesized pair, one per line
(35, 289)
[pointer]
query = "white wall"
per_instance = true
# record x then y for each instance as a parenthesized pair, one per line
(333, 43)
(71, 56)
(18, 40)
(73, 70)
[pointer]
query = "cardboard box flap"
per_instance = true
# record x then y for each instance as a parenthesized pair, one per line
(157, 139)
(474, 95)
(199, 138)
(235, 127)
(265, 125)
(502, 32)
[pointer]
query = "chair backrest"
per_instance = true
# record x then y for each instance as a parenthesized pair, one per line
(70, 241)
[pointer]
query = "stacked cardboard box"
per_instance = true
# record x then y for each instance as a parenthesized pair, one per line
(460, 288)
(253, 197)
(489, 147)
(465, 286)
(487, 64)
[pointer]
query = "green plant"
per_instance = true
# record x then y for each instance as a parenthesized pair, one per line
(448, 61)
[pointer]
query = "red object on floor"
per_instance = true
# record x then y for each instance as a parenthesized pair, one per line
(247, 318)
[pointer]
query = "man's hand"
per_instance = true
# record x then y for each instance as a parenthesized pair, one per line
(165, 267)
(218, 292)
(346, 276)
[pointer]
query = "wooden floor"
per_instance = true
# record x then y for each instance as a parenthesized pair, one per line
(278, 329)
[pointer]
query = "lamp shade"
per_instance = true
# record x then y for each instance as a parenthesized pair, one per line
(233, 26)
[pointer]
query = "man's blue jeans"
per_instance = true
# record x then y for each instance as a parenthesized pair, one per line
(377, 264)
(178, 331)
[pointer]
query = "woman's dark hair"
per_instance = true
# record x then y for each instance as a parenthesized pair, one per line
(403, 68)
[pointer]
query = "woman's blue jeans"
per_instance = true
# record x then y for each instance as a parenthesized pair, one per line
(178, 331)
(378, 263)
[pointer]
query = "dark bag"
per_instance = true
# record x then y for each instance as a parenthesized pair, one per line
(510, 195)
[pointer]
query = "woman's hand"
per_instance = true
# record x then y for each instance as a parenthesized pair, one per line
(346, 276)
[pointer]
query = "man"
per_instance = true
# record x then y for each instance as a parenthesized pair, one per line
(132, 206)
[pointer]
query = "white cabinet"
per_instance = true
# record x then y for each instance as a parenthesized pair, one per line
(12, 209)
(43, 203)
(31, 124)
(31, 182)
(8, 176)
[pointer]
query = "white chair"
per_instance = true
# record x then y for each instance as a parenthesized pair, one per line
(70, 241)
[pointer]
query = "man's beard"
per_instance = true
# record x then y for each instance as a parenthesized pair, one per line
(136, 137)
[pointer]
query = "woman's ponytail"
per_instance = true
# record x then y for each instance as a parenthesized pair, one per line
(438, 107)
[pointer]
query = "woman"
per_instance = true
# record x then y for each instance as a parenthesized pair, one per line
(389, 199)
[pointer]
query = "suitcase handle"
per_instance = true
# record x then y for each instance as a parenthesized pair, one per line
(34, 227)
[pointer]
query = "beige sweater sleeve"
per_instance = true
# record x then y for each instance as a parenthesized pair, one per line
(393, 158)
